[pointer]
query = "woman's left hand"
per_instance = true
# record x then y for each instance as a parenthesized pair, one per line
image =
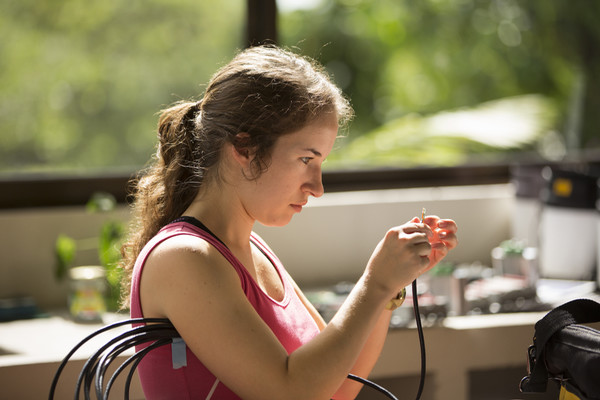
(443, 240)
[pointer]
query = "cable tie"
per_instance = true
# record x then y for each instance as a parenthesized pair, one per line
(178, 353)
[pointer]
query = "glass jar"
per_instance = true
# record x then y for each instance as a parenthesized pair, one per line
(86, 297)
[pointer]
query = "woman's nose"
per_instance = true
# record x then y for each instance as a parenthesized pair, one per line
(315, 185)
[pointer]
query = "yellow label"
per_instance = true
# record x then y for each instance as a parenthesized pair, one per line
(562, 187)
(566, 395)
(87, 304)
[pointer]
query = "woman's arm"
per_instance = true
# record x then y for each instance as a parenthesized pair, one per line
(368, 355)
(200, 293)
(442, 240)
(189, 282)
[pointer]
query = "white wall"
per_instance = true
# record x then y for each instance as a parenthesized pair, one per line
(334, 236)
(331, 240)
(27, 249)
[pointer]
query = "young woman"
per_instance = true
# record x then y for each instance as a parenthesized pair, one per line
(251, 150)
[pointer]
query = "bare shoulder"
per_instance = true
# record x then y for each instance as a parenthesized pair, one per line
(180, 266)
(180, 245)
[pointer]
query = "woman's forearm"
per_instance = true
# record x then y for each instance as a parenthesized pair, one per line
(367, 357)
(351, 342)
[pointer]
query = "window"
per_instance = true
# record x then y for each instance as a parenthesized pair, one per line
(458, 89)
(444, 83)
(81, 81)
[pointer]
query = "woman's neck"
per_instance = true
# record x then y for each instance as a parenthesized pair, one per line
(222, 213)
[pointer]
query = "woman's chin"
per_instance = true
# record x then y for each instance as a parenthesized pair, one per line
(277, 222)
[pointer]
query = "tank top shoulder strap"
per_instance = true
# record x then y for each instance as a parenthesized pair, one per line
(191, 226)
(178, 227)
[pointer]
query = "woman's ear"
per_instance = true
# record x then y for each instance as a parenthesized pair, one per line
(241, 149)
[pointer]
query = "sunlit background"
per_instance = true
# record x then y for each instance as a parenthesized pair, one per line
(459, 104)
(433, 82)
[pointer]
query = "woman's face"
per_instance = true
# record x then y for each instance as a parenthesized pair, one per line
(293, 175)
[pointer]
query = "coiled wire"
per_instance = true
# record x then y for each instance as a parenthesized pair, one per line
(158, 331)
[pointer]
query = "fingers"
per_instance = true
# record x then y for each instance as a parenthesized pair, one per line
(413, 248)
(415, 225)
(410, 241)
(444, 231)
(417, 237)
(437, 229)
(435, 221)
(441, 234)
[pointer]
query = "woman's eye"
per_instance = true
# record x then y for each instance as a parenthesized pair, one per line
(305, 160)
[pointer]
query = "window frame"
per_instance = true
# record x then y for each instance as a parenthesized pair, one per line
(29, 191)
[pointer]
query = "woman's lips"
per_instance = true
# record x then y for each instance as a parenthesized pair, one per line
(298, 207)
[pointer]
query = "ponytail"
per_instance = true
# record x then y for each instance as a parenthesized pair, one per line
(169, 186)
(178, 161)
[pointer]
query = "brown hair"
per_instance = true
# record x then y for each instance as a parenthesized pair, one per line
(264, 91)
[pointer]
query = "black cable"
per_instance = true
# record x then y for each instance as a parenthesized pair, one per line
(163, 338)
(105, 362)
(372, 385)
(161, 334)
(421, 339)
(123, 366)
(109, 356)
(87, 373)
(137, 359)
(164, 323)
(87, 339)
(155, 334)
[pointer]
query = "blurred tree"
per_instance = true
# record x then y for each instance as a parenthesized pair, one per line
(395, 59)
(570, 32)
(80, 82)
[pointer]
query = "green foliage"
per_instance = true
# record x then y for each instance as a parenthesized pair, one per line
(443, 268)
(512, 247)
(108, 244)
(64, 252)
(396, 59)
(81, 82)
(110, 241)
(101, 201)
(491, 130)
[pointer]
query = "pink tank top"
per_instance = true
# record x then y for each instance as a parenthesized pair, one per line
(290, 321)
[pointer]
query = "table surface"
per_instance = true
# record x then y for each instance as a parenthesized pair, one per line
(50, 338)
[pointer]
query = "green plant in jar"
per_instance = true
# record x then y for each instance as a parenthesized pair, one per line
(107, 243)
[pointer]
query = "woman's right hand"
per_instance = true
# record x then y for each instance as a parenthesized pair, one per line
(401, 256)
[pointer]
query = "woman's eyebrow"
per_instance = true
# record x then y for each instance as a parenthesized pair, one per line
(315, 152)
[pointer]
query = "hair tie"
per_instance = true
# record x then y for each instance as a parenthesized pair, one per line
(191, 113)
(197, 106)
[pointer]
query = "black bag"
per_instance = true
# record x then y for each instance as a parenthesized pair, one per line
(566, 352)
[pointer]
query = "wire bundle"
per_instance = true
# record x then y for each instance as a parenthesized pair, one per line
(158, 331)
